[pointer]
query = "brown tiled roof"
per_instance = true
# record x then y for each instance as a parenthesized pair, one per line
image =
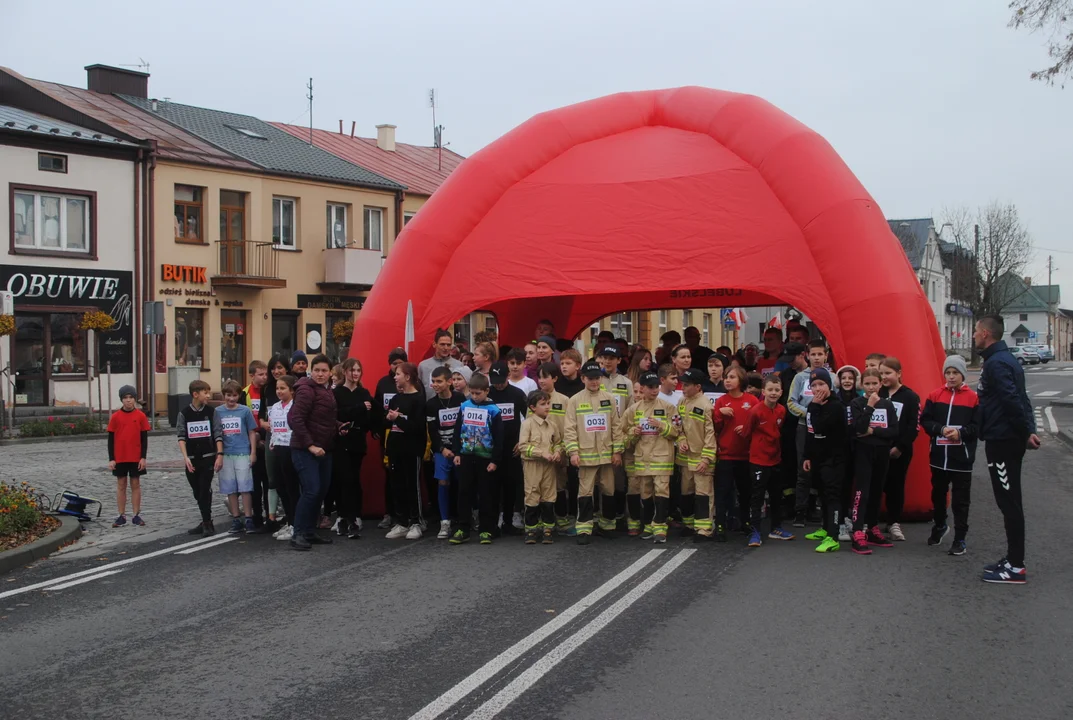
(414, 166)
(172, 142)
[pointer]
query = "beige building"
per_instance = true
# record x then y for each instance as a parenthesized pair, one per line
(647, 326)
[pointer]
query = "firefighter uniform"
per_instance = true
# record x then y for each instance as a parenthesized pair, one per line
(557, 416)
(698, 435)
(539, 436)
(649, 428)
(594, 435)
(622, 388)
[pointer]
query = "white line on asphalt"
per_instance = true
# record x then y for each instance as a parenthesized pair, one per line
(444, 702)
(1050, 420)
(1048, 393)
(91, 578)
(498, 702)
(91, 571)
(219, 541)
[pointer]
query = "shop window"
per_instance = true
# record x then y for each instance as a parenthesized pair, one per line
(284, 333)
(336, 351)
(373, 233)
(189, 337)
(51, 222)
(336, 226)
(283, 223)
(68, 344)
(188, 213)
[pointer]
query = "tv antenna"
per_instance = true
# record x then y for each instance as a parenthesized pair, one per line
(141, 65)
(310, 98)
(437, 130)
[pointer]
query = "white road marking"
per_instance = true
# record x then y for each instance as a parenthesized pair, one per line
(444, 702)
(93, 571)
(91, 578)
(219, 541)
(1048, 393)
(1050, 420)
(498, 702)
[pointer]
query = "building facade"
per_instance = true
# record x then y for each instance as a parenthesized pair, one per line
(1031, 314)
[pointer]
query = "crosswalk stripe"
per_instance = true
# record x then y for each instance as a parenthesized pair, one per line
(1048, 393)
(220, 541)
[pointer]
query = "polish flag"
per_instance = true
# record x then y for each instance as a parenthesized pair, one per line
(740, 317)
(776, 321)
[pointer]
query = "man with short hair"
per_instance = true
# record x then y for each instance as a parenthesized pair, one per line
(799, 334)
(442, 346)
(772, 351)
(1007, 428)
(698, 353)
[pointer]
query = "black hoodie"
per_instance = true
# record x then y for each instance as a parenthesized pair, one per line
(825, 440)
(881, 419)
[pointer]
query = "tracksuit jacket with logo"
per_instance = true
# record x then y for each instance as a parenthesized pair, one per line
(958, 409)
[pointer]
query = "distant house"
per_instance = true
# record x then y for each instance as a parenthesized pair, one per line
(1031, 312)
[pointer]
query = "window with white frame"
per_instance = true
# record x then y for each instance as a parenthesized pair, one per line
(51, 221)
(706, 331)
(662, 322)
(622, 326)
(373, 234)
(336, 229)
(687, 319)
(283, 222)
(407, 217)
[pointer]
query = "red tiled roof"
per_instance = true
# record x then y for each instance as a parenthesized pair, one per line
(415, 166)
(172, 142)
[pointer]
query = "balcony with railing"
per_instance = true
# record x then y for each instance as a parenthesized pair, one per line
(351, 268)
(248, 264)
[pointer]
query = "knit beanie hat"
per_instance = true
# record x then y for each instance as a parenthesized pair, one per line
(958, 363)
(127, 390)
(822, 375)
(299, 355)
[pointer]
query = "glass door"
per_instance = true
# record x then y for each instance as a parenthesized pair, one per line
(28, 360)
(233, 346)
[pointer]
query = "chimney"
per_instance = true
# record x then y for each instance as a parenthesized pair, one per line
(1028, 281)
(385, 137)
(120, 81)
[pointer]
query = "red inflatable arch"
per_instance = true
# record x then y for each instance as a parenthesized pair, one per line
(657, 199)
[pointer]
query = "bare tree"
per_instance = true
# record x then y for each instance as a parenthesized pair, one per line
(964, 275)
(1055, 19)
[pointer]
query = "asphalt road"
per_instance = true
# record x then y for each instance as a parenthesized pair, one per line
(1051, 386)
(398, 629)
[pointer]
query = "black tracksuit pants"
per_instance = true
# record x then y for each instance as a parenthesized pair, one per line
(731, 476)
(287, 481)
(405, 488)
(201, 484)
(941, 482)
(895, 486)
(474, 479)
(346, 483)
(1004, 460)
(830, 474)
(870, 465)
(766, 478)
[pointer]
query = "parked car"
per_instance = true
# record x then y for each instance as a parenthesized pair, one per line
(1045, 352)
(1025, 354)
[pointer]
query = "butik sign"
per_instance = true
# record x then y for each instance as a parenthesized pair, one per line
(184, 274)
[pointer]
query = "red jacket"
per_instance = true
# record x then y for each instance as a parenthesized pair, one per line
(764, 428)
(731, 445)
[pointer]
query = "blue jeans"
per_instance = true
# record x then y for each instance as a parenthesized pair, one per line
(314, 479)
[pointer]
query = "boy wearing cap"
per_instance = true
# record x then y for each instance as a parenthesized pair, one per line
(610, 357)
(696, 455)
(547, 376)
(512, 409)
(540, 446)
(951, 417)
(649, 428)
(594, 442)
(825, 453)
(128, 442)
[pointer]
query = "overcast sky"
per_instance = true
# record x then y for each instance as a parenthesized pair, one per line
(928, 102)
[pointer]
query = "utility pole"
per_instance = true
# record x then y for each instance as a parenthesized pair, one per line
(1050, 300)
(976, 300)
(310, 98)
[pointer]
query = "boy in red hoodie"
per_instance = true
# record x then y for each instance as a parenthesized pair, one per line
(732, 468)
(763, 427)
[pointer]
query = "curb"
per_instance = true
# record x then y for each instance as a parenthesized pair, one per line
(1061, 402)
(70, 529)
(1066, 436)
(87, 436)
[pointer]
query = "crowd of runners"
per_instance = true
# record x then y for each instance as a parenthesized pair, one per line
(541, 442)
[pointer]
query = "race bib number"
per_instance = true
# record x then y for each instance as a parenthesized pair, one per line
(596, 422)
(387, 399)
(475, 417)
(767, 371)
(507, 411)
(713, 396)
(898, 409)
(448, 417)
(946, 442)
(255, 405)
(281, 432)
(807, 393)
(279, 425)
(808, 424)
(648, 427)
(879, 418)
(198, 430)
(231, 425)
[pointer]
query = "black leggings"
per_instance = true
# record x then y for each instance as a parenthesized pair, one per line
(405, 488)
(941, 482)
(346, 483)
(286, 481)
(870, 464)
(895, 487)
(732, 476)
(201, 484)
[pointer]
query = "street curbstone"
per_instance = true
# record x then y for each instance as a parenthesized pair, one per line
(76, 438)
(1067, 437)
(70, 530)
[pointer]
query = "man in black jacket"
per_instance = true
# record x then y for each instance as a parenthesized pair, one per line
(1007, 428)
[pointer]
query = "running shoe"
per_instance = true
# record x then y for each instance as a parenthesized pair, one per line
(486, 538)
(957, 548)
(820, 534)
(876, 538)
(353, 531)
(459, 537)
(397, 532)
(207, 529)
(414, 533)
(648, 533)
(659, 538)
(196, 530)
(799, 518)
(284, 533)
(236, 526)
(339, 527)
(754, 539)
(845, 532)
(530, 537)
(780, 534)
(251, 529)
(120, 521)
(938, 532)
(895, 531)
(829, 544)
(137, 520)
(517, 521)
(361, 526)
(1006, 575)
(445, 530)
(548, 539)
(325, 522)
(996, 565)
(634, 532)
(860, 543)
(384, 524)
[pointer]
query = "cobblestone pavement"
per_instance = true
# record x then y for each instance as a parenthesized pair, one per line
(81, 466)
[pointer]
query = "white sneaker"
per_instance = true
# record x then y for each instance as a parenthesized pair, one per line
(499, 523)
(385, 524)
(517, 521)
(445, 530)
(844, 532)
(414, 533)
(358, 523)
(399, 531)
(339, 528)
(424, 524)
(895, 531)
(284, 533)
